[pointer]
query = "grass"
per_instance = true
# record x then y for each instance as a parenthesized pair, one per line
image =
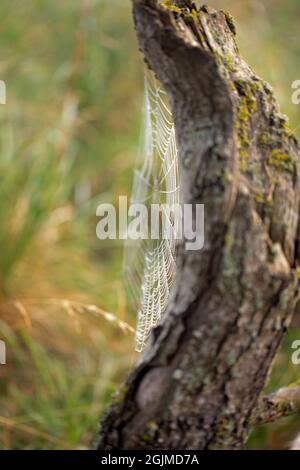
(66, 372)
(63, 129)
(68, 135)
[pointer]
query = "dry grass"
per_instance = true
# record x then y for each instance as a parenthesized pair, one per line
(74, 85)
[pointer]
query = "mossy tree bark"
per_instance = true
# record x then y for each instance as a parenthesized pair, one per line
(198, 384)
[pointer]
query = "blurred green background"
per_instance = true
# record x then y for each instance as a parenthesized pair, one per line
(68, 136)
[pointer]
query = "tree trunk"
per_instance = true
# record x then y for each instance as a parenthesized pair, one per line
(198, 384)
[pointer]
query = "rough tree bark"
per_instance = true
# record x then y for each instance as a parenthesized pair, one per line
(198, 384)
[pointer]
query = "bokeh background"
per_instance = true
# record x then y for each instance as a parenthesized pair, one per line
(68, 141)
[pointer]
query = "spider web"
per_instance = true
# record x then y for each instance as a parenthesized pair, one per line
(149, 265)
